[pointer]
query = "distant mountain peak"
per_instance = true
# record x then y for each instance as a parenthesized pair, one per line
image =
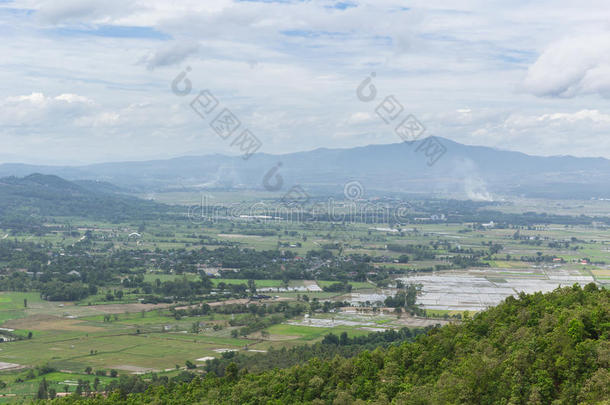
(399, 167)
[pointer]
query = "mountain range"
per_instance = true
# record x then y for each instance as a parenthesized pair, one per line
(430, 166)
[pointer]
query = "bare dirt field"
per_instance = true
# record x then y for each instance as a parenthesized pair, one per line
(121, 308)
(49, 322)
(601, 272)
(9, 366)
(134, 369)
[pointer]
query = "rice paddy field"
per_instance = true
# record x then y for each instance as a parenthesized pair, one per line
(133, 337)
(138, 339)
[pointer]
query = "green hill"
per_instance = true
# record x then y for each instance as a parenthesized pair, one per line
(39, 195)
(538, 349)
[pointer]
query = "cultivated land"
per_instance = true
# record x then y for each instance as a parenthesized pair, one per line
(456, 268)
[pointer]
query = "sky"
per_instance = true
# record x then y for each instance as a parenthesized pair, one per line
(86, 81)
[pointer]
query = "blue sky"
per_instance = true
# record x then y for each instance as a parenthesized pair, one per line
(86, 81)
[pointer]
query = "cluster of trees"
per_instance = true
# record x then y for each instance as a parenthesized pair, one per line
(37, 371)
(405, 299)
(326, 306)
(537, 349)
(180, 287)
(101, 372)
(330, 346)
(83, 387)
(464, 262)
(419, 252)
(250, 324)
(338, 287)
(59, 291)
(256, 320)
(195, 310)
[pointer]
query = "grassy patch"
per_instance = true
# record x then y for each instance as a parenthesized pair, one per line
(356, 285)
(259, 283)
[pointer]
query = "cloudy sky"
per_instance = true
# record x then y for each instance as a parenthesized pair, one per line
(89, 81)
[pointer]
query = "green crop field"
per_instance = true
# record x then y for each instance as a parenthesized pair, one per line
(307, 333)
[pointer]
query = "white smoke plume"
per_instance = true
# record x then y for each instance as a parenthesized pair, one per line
(475, 186)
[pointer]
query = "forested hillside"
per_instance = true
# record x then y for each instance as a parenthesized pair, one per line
(27, 199)
(536, 349)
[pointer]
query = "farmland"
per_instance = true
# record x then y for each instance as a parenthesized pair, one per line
(163, 297)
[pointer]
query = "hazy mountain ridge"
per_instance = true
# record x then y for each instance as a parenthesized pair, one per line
(473, 171)
(49, 195)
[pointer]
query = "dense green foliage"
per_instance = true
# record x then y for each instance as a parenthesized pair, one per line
(330, 346)
(40, 195)
(538, 349)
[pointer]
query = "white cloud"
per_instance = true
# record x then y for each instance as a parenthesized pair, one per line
(79, 11)
(593, 116)
(34, 98)
(579, 133)
(78, 82)
(36, 109)
(359, 117)
(585, 120)
(573, 66)
(73, 98)
(170, 55)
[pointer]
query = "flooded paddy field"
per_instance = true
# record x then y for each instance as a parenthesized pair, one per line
(478, 289)
(365, 320)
